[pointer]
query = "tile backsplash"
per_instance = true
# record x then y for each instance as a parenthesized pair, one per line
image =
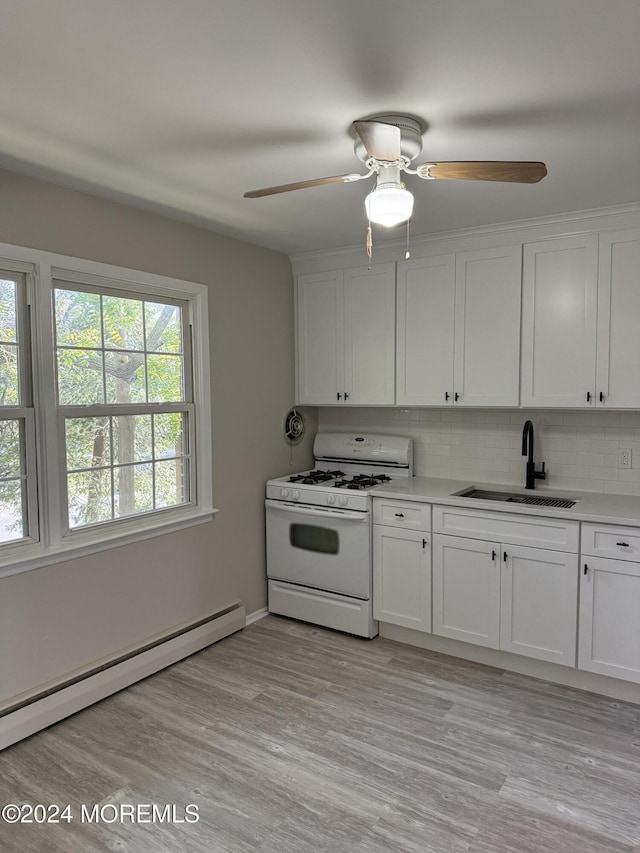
(580, 449)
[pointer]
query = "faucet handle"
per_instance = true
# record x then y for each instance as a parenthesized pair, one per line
(541, 474)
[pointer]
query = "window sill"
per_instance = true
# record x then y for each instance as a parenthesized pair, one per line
(28, 557)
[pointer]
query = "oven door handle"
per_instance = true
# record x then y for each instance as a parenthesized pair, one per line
(347, 514)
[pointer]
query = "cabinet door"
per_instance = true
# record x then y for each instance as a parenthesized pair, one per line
(609, 624)
(425, 331)
(618, 369)
(539, 603)
(487, 327)
(369, 324)
(559, 322)
(320, 338)
(466, 590)
(401, 577)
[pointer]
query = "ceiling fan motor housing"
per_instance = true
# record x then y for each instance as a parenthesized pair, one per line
(410, 136)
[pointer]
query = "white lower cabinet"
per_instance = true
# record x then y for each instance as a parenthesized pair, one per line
(609, 641)
(402, 564)
(466, 590)
(539, 603)
(505, 596)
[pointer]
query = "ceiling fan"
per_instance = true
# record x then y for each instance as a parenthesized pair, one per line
(387, 145)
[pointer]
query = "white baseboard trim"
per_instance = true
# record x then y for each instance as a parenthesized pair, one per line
(52, 708)
(257, 615)
(566, 675)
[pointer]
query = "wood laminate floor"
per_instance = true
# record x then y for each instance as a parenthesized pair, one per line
(295, 739)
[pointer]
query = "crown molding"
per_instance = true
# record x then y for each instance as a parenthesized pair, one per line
(581, 217)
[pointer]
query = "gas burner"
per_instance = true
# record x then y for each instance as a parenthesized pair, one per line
(362, 481)
(314, 477)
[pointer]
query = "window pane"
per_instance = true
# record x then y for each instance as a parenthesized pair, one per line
(77, 318)
(122, 320)
(89, 497)
(9, 388)
(163, 327)
(125, 377)
(7, 311)
(164, 377)
(134, 489)
(80, 377)
(171, 486)
(13, 521)
(11, 513)
(10, 449)
(131, 439)
(168, 435)
(88, 442)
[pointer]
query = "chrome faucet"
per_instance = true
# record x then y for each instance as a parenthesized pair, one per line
(527, 450)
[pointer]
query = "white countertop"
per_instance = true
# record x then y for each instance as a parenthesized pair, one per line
(591, 506)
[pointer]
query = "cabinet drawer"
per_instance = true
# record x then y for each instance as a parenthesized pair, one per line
(535, 531)
(605, 540)
(408, 514)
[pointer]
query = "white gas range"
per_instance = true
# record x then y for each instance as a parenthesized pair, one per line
(319, 562)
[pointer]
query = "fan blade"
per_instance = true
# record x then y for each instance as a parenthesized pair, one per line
(515, 171)
(382, 141)
(301, 185)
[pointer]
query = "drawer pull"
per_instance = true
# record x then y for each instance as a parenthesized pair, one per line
(399, 515)
(623, 544)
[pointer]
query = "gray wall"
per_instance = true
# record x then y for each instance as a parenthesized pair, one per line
(63, 618)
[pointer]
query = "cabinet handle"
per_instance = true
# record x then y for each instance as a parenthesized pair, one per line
(424, 543)
(493, 555)
(346, 395)
(338, 395)
(456, 397)
(588, 396)
(601, 397)
(504, 556)
(399, 515)
(586, 568)
(446, 395)
(623, 544)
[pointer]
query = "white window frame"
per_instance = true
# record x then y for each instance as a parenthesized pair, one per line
(22, 274)
(57, 542)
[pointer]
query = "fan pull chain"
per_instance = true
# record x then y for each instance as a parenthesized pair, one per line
(369, 244)
(407, 254)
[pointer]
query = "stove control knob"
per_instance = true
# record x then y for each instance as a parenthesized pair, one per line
(331, 499)
(284, 494)
(296, 495)
(344, 500)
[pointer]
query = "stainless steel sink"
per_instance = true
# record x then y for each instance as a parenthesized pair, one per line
(515, 498)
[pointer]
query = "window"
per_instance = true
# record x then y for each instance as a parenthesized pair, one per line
(101, 446)
(122, 360)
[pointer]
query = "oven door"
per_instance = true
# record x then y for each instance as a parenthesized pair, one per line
(327, 549)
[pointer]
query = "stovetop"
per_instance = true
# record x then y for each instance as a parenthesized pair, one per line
(337, 479)
(348, 467)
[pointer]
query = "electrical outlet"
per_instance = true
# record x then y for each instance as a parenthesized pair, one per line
(624, 458)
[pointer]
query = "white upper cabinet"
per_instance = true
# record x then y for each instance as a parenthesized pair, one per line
(346, 336)
(618, 364)
(369, 335)
(487, 336)
(559, 322)
(458, 336)
(320, 353)
(426, 304)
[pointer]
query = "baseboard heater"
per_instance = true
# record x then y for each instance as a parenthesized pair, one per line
(39, 711)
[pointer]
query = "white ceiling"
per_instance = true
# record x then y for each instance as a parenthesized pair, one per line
(181, 107)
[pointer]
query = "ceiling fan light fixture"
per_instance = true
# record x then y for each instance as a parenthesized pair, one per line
(389, 205)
